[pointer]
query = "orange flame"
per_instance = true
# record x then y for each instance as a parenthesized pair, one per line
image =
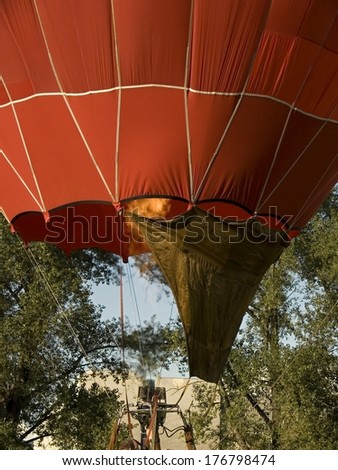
(149, 208)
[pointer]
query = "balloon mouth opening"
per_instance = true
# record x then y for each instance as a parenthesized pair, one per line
(115, 228)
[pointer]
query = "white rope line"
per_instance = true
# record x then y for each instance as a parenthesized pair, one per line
(114, 340)
(136, 307)
(60, 309)
(219, 145)
(42, 209)
(173, 87)
(108, 327)
(23, 140)
(294, 163)
(186, 108)
(300, 90)
(64, 96)
(299, 213)
(62, 313)
(233, 115)
(274, 158)
(119, 100)
(171, 311)
(169, 322)
(3, 212)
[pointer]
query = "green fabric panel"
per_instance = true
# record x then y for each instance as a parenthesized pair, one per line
(213, 269)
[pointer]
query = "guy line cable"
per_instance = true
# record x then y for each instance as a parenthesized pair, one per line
(60, 310)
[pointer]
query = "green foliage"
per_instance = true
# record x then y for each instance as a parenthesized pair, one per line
(51, 335)
(280, 387)
(147, 350)
(175, 345)
(316, 250)
(204, 412)
(85, 417)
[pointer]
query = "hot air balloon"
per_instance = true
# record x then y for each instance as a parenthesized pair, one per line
(218, 116)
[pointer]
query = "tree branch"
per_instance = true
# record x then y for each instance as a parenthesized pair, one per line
(41, 420)
(38, 438)
(250, 398)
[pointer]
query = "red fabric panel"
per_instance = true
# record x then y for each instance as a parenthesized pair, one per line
(296, 71)
(153, 154)
(255, 53)
(23, 201)
(286, 16)
(100, 134)
(208, 118)
(76, 227)
(61, 162)
(79, 38)
(318, 96)
(24, 62)
(152, 39)
(280, 66)
(290, 64)
(299, 177)
(16, 176)
(309, 19)
(243, 162)
(88, 225)
(331, 42)
(318, 21)
(225, 38)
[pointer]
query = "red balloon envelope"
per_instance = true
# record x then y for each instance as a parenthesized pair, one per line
(196, 111)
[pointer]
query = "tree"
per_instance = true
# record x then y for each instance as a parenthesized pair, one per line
(52, 338)
(248, 405)
(280, 387)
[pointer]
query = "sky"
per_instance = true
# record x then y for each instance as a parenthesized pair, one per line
(150, 300)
